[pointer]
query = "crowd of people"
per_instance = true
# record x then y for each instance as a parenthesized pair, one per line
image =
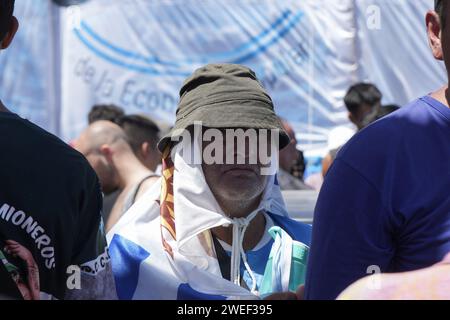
(130, 211)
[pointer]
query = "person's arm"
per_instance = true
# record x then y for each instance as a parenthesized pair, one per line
(90, 253)
(351, 233)
(431, 283)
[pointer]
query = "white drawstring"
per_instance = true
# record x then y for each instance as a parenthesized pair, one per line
(240, 225)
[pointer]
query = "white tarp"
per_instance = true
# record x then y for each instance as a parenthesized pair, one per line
(136, 53)
(395, 54)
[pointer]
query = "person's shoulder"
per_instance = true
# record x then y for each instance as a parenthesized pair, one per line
(384, 147)
(26, 132)
(147, 184)
(53, 153)
(384, 136)
(144, 213)
(297, 230)
(288, 182)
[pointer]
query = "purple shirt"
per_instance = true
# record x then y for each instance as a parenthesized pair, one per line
(385, 203)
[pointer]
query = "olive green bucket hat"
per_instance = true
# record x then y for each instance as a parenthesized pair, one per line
(224, 96)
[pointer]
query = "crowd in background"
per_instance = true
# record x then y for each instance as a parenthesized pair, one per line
(142, 133)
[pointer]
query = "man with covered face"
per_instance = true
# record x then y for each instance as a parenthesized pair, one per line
(216, 226)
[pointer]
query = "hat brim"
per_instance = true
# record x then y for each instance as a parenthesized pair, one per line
(224, 115)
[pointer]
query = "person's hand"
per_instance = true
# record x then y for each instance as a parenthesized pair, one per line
(301, 292)
(299, 295)
(15, 249)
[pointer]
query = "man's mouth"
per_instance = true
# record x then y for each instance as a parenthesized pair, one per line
(238, 170)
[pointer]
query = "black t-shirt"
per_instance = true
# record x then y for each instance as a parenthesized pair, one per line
(51, 232)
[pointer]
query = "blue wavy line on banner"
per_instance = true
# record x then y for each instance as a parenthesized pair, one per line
(124, 52)
(140, 69)
(280, 35)
(212, 57)
(219, 56)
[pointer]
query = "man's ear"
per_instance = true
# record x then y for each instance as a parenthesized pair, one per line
(10, 34)
(106, 151)
(352, 118)
(434, 34)
(145, 148)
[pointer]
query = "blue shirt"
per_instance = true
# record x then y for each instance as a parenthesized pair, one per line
(257, 259)
(385, 202)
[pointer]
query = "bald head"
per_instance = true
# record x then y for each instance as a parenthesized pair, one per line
(102, 143)
(98, 134)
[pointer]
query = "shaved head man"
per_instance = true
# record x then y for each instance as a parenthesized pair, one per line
(97, 143)
(106, 147)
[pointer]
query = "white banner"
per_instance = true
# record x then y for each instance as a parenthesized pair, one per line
(136, 54)
(393, 51)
